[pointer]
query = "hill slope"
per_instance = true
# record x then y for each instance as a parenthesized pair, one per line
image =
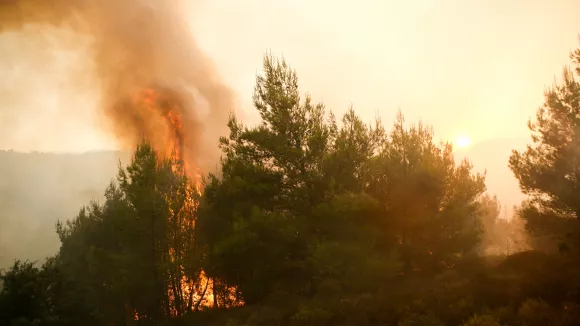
(37, 189)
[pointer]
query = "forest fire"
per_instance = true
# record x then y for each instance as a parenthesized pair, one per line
(154, 85)
(165, 124)
(161, 121)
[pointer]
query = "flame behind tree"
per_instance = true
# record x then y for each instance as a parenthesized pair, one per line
(137, 252)
(159, 115)
(188, 287)
(153, 82)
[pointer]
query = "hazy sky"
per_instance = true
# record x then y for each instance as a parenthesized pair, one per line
(472, 67)
(477, 67)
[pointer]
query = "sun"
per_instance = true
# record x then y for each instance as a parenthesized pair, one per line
(462, 141)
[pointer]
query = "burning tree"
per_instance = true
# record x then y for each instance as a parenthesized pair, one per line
(136, 254)
(162, 116)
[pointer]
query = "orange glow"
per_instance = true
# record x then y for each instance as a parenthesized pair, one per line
(190, 293)
(168, 129)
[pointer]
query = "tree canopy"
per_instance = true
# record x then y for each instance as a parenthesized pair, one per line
(314, 220)
(549, 169)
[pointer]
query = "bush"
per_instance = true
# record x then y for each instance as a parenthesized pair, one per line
(482, 320)
(536, 312)
(311, 316)
(420, 320)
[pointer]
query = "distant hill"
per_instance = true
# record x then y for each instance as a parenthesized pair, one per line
(37, 189)
(493, 156)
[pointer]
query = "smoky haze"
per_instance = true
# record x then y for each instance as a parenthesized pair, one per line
(37, 189)
(135, 45)
(120, 50)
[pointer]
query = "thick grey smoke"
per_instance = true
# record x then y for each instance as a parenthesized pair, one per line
(139, 47)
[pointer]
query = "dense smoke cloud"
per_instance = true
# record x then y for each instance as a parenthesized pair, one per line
(139, 47)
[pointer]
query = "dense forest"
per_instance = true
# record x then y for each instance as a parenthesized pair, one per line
(314, 221)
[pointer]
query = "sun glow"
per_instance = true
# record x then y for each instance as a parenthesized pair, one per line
(462, 141)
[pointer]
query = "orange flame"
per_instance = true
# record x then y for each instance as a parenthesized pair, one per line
(167, 128)
(169, 142)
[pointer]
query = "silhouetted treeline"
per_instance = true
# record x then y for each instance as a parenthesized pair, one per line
(311, 221)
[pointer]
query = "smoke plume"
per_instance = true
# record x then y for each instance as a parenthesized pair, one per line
(154, 80)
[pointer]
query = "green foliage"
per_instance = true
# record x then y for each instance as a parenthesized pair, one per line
(311, 316)
(482, 320)
(33, 296)
(21, 297)
(264, 315)
(314, 222)
(535, 312)
(432, 202)
(422, 320)
(130, 255)
(305, 207)
(548, 169)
